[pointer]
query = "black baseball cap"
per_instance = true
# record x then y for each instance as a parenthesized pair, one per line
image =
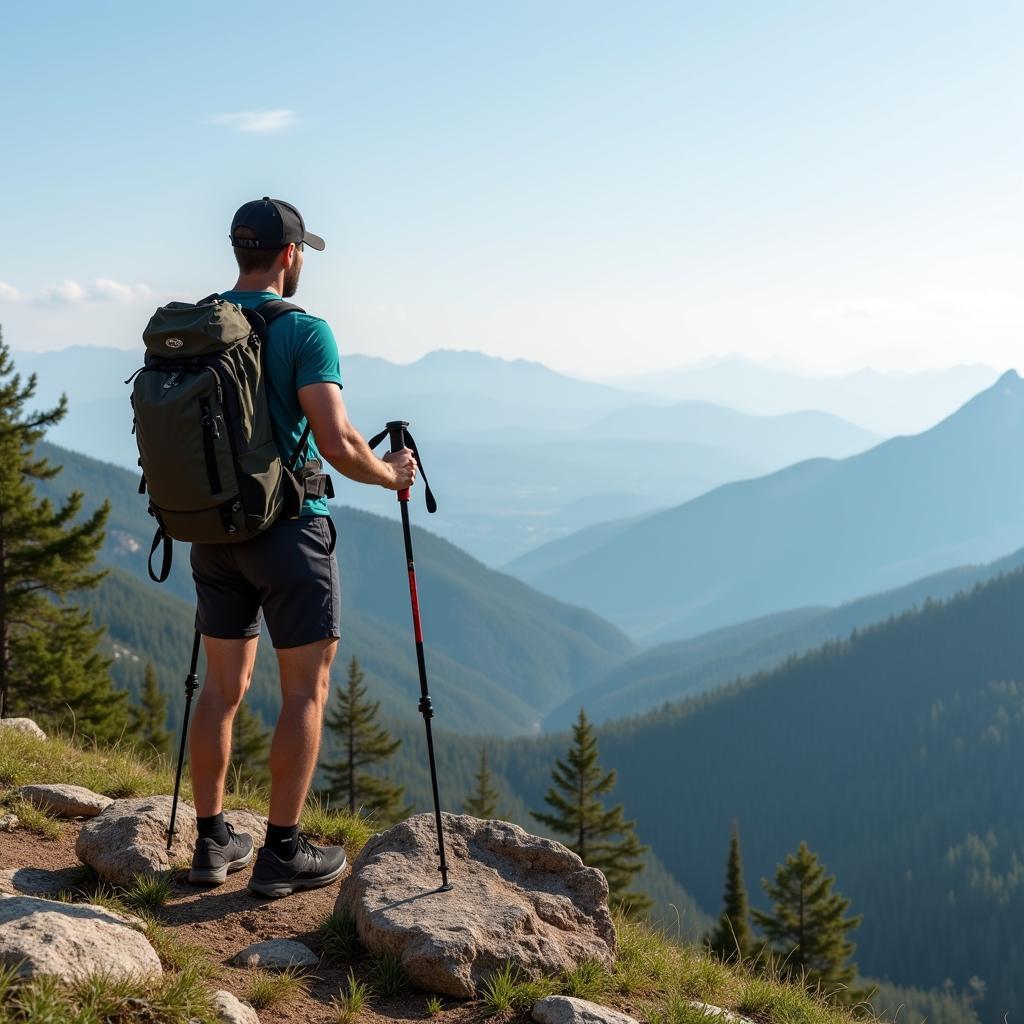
(274, 223)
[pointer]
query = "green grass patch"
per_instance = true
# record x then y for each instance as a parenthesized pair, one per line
(499, 990)
(267, 989)
(335, 826)
(434, 1006)
(529, 990)
(350, 1000)
(100, 998)
(35, 819)
(340, 937)
(388, 976)
(149, 892)
(587, 980)
(176, 954)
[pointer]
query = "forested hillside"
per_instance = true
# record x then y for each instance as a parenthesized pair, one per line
(895, 754)
(674, 671)
(820, 532)
(500, 653)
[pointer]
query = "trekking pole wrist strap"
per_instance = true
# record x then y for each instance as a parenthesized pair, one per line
(411, 445)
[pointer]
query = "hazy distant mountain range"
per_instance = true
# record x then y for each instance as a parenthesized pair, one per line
(888, 403)
(816, 533)
(517, 453)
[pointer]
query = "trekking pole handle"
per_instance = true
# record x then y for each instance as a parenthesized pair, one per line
(396, 434)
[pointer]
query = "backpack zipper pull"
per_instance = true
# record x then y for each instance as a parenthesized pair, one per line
(173, 381)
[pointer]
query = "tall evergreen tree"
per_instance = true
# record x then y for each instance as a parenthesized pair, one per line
(149, 717)
(49, 665)
(732, 937)
(807, 926)
(602, 837)
(483, 801)
(364, 742)
(249, 749)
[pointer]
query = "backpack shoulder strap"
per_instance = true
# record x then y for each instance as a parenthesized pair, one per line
(270, 310)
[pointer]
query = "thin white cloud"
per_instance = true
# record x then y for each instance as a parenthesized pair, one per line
(8, 293)
(256, 120)
(64, 293)
(103, 289)
(106, 288)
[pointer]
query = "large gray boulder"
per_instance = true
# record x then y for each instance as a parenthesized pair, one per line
(516, 898)
(570, 1010)
(71, 941)
(65, 801)
(25, 725)
(130, 837)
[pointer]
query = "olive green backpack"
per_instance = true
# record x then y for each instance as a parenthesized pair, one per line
(207, 449)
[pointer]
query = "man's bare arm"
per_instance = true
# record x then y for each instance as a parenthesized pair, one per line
(345, 448)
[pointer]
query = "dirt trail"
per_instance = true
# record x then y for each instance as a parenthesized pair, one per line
(228, 918)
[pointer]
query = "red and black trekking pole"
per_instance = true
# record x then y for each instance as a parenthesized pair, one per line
(401, 438)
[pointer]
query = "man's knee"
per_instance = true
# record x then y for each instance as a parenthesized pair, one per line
(306, 672)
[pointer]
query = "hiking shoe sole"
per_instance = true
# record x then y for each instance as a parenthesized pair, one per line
(276, 889)
(217, 876)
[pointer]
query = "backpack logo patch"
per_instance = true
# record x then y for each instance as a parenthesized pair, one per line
(174, 343)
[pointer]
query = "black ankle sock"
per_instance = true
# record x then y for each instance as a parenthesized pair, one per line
(213, 828)
(283, 840)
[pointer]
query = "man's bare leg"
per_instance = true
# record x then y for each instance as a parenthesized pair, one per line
(229, 665)
(305, 683)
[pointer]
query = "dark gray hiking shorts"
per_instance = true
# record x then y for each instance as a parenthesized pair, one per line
(288, 574)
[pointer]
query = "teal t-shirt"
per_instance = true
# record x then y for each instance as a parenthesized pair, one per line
(300, 350)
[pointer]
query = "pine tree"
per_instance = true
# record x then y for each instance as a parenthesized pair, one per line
(807, 928)
(249, 747)
(49, 665)
(732, 938)
(364, 742)
(483, 801)
(149, 717)
(602, 837)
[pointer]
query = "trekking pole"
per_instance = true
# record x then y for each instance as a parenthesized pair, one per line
(400, 438)
(191, 685)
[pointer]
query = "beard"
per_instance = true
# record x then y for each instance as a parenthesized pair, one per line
(291, 279)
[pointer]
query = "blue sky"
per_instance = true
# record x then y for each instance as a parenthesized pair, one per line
(604, 187)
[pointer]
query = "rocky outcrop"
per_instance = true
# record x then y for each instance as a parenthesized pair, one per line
(66, 801)
(569, 1010)
(276, 955)
(516, 898)
(71, 941)
(130, 837)
(25, 725)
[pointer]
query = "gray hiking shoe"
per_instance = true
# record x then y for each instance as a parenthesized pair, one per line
(310, 868)
(211, 862)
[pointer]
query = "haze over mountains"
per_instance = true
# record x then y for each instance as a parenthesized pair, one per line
(819, 532)
(517, 453)
(888, 403)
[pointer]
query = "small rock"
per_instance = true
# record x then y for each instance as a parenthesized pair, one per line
(23, 725)
(66, 801)
(231, 1010)
(276, 955)
(717, 1013)
(8, 822)
(569, 1010)
(251, 823)
(130, 837)
(71, 941)
(516, 898)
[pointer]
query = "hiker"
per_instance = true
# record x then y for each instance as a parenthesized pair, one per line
(288, 573)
